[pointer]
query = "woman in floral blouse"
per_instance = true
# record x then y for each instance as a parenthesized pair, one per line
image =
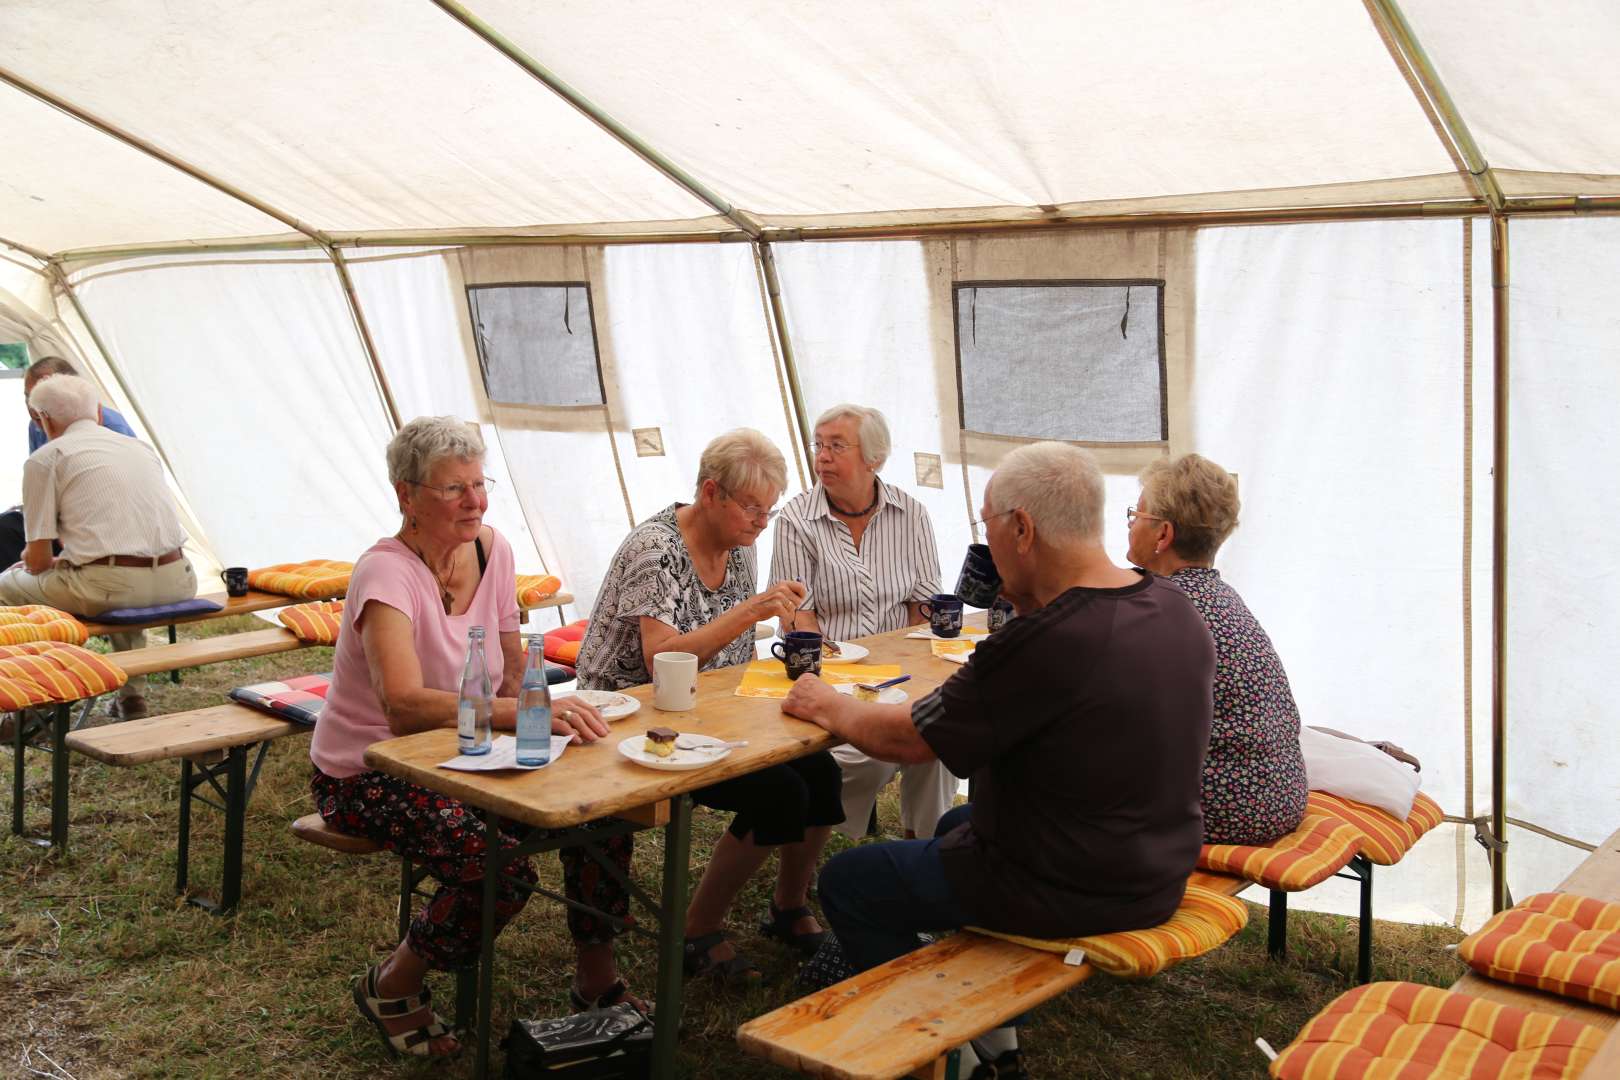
(1254, 776)
(683, 581)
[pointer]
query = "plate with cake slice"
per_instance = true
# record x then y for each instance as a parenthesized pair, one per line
(889, 695)
(843, 652)
(658, 750)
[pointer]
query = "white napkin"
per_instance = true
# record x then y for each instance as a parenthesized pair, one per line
(503, 755)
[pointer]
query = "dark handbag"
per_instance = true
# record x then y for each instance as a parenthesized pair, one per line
(606, 1044)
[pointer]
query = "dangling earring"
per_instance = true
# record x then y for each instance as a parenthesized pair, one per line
(413, 523)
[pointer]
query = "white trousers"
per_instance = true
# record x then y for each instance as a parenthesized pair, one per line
(926, 792)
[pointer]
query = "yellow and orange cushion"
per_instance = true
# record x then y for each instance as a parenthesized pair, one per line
(1392, 1031)
(533, 588)
(1204, 921)
(315, 579)
(1312, 853)
(562, 644)
(1385, 838)
(36, 622)
(316, 622)
(37, 672)
(1558, 942)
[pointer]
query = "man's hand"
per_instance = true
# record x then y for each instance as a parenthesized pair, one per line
(779, 601)
(815, 701)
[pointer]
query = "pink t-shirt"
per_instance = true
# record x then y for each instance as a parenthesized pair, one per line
(390, 573)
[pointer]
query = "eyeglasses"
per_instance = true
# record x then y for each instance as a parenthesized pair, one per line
(453, 492)
(1132, 513)
(837, 448)
(991, 517)
(754, 512)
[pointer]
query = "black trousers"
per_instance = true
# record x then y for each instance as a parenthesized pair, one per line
(777, 804)
(12, 537)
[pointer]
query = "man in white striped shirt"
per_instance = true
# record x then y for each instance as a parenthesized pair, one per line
(103, 496)
(866, 555)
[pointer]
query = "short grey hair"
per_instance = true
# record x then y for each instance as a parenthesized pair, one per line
(873, 431)
(65, 399)
(428, 440)
(742, 460)
(1059, 486)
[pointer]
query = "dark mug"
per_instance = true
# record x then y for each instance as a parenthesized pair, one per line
(1000, 614)
(978, 584)
(800, 653)
(944, 611)
(235, 580)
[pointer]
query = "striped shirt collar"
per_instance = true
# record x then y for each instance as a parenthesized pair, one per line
(818, 501)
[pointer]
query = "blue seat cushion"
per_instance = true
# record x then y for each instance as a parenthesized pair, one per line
(299, 699)
(157, 612)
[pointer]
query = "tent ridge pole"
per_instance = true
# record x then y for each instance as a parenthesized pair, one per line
(1499, 554)
(364, 330)
(595, 113)
(773, 290)
(32, 252)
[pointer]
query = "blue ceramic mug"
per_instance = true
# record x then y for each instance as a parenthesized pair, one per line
(978, 584)
(1000, 614)
(944, 611)
(800, 652)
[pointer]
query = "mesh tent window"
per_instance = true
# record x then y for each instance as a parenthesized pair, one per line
(1077, 361)
(537, 343)
(13, 358)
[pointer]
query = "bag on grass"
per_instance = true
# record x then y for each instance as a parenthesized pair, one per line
(607, 1044)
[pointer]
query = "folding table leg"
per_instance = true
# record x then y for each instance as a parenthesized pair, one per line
(671, 936)
(59, 776)
(183, 841)
(235, 819)
(486, 947)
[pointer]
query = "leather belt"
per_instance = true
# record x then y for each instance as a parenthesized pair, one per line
(135, 561)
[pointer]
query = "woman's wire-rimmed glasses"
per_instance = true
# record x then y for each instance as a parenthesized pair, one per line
(754, 512)
(453, 492)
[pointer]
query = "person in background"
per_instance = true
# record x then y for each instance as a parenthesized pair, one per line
(104, 498)
(1254, 784)
(12, 532)
(865, 553)
(1082, 724)
(396, 670)
(683, 581)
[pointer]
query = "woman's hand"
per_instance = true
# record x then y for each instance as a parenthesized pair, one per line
(571, 716)
(813, 700)
(780, 601)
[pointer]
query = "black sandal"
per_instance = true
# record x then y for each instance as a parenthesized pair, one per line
(737, 970)
(780, 926)
(613, 995)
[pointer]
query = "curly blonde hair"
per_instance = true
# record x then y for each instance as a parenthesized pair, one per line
(1198, 497)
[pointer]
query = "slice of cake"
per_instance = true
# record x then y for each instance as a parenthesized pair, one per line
(659, 741)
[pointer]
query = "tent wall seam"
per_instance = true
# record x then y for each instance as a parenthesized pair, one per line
(157, 153)
(1467, 564)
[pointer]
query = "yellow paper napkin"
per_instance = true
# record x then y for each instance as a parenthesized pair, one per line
(768, 678)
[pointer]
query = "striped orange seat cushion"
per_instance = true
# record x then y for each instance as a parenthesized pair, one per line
(314, 579)
(1385, 839)
(38, 672)
(36, 622)
(1312, 853)
(1558, 942)
(1397, 1031)
(1204, 921)
(533, 588)
(317, 621)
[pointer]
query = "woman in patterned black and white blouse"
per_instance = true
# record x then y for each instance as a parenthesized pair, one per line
(1254, 785)
(865, 552)
(683, 581)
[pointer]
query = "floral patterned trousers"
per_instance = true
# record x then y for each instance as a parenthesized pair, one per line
(443, 835)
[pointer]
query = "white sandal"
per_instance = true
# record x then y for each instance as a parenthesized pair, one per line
(415, 1042)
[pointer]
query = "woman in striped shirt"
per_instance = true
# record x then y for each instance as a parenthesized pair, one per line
(865, 553)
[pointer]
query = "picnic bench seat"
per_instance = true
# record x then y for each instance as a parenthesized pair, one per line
(212, 746)
(906, 1017)
(228, 606)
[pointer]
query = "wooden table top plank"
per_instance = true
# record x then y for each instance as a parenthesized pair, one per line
(594, 781)
(232, 605)
(955, 990)
(198, 652)
(160, 738)
(1597, 876)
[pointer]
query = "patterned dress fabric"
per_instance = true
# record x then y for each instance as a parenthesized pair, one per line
(1254, 787)
(652, 575)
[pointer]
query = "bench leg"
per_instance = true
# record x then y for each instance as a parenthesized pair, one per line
(1364, 946)
(235, 821)
(1277, 927)
(183, 841)
(59, 776)
(19, 740)
(174, 676)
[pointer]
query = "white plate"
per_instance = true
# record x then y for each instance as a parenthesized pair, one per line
(891, 695)
(612, 706)
(680, 760)
(848, 653)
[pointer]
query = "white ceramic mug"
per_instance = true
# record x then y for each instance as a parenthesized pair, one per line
(675, 681)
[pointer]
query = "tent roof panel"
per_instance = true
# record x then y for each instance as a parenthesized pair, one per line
(365, 115)
(926, 104)
(67, 185)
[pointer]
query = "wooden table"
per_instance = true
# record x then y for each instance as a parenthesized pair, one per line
(591, 782)
(1598, 876)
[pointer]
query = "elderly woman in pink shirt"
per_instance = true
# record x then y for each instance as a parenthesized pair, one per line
(411, 602)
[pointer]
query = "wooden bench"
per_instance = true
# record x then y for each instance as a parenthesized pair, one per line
(1598, 876)
(212, 746)
(906, 1018)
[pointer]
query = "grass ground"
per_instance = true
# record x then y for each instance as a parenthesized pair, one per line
(103, 973)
